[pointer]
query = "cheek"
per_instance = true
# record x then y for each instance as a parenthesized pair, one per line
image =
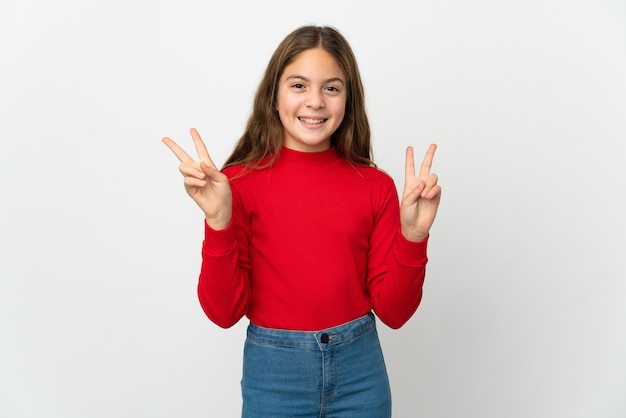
(285, 104)
(281, 99)
(340, 110)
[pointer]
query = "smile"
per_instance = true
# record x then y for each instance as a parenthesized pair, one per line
(310, 121)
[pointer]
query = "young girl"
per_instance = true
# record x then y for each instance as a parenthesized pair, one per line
(306, 237)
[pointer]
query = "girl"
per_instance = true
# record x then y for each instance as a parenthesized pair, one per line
(305, 237)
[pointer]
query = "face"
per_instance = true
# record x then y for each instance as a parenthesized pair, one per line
(311, 100)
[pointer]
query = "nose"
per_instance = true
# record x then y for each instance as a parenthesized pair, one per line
(315, 100)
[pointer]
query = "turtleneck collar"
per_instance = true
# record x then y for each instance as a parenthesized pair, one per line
(308, 160)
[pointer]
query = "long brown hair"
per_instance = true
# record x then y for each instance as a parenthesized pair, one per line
(259, 145)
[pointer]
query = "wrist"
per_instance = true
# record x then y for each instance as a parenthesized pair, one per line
(413, 235)
(218, 222)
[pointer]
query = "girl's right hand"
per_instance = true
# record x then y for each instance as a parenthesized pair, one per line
(206, 185)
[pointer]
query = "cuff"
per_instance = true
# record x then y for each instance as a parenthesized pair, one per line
(410, 252)
(218, 242)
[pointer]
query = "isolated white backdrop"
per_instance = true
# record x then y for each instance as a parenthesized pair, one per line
(524, 312)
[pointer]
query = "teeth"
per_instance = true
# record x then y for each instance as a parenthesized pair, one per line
(311, 121)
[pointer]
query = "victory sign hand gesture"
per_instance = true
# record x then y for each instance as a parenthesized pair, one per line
(420, 198)
(206, 185)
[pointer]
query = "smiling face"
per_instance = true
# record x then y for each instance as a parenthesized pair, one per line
(311, 100)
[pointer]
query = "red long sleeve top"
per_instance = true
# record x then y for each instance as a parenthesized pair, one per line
(313, 243)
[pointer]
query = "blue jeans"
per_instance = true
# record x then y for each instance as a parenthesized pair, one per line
(337, 372)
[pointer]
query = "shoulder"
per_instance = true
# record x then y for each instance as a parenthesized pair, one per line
(233, 171)
(238, 173)
(374, 182)
(374, 174)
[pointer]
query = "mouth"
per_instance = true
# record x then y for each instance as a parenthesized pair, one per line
(311, 121)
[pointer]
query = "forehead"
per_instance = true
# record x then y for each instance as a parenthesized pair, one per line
(314, 62)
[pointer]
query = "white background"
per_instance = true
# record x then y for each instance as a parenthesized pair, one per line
(524, 311)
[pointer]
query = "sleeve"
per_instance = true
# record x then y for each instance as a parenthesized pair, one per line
(224, 283)
(396, 266)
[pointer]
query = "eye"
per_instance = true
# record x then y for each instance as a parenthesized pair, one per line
(297, 86)
(332, 89)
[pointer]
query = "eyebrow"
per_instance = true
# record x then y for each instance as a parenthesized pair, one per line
(303, 78)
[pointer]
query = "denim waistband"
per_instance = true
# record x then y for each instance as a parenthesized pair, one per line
(312, 339)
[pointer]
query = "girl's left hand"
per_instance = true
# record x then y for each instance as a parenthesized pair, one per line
(420, 198)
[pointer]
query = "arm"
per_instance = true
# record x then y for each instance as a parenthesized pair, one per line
(396, 288)
(223, 284)
(396, 266)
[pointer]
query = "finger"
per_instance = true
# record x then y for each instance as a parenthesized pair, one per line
(191, 171)
(432, 194)
(194, 182)
(409, 165)
(412, 196)
(203, 153)
(431, 181)
(213, 173)
(428, 161)
(435, 192)
(180, 153)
